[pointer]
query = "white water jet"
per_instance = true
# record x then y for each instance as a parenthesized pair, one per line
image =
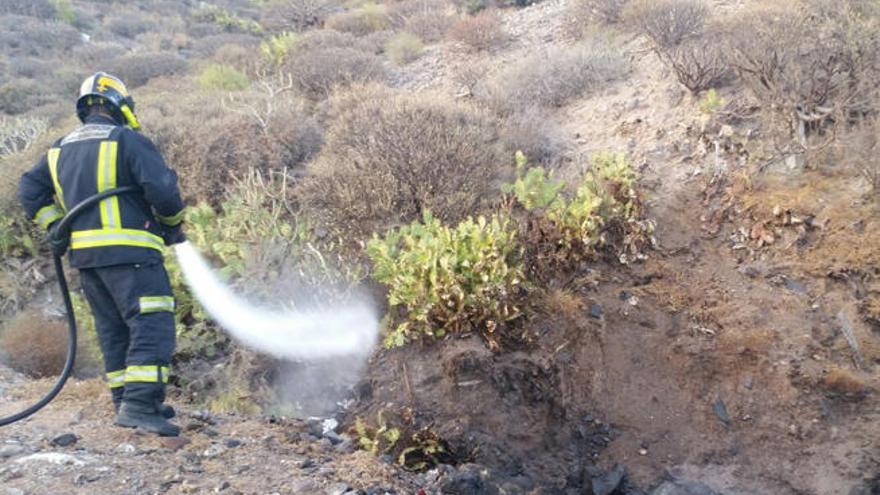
(306, 335)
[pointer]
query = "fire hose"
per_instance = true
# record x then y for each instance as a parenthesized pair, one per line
(63, 229)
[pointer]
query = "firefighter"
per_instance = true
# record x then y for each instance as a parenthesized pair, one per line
(117, 246)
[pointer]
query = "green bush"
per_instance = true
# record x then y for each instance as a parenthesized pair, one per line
(277, 48)
(403, 48)
(605, 213)
(226, 20)
(223, 77)
(448, 279)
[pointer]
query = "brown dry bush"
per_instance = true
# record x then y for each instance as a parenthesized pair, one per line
(428, 19)
(43, 9)
(28, 36)
(296, 15)
(603, 11)
(360, 22)
(33, 345)
(96, 54)
(317, 73)
(391, 156)
(813, 74)
(210, 148)
(535, 132)
(698, 64)
(669, 22)
(861, 147)
(129, 26)
(481, 32)
(552, 78)
(207, 46)
(138, 68)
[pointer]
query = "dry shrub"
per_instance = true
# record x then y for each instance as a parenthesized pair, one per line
(237, 56)
(21, 95)
(96, 54)
(428, 19)
(34, 345)
(207, 46)
(537, 134)
(43, 9)
(603, 11)
(403, 48)
(669, 22)
(552, 78)
(209, 153)
(860, 148)
(28, 36)
(360, 22)
(129, 26)
(480, 32)
(812, 73)
(844, 382)
(297, 15)
(392, 156)
(318, 72)
(698, 64)
(138, 68)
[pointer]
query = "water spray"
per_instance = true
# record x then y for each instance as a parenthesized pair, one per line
(305, 335)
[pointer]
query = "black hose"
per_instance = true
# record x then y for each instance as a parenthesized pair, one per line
(63, 228)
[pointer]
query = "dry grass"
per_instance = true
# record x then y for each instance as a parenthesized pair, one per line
(35, 346)
(562, 304)
(668, 22)
(481, 32)
(553, 78)
(368, 19)
(845, 382)
(391, 156)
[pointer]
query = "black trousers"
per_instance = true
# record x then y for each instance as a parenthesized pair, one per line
(134, 318)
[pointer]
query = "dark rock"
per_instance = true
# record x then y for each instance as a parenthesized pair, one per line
(203, 416)
(306, 463)
(596, 311)
(233, 443)
(345, 447)
(608, 483)
(468, 479)
(870, 487)
(334, 437)
(64, 440)
(794, 285)
(721, 411)
(211, 432)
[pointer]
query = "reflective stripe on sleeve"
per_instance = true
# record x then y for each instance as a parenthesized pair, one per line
(147, 374)
(47, 215)
(52, 158)
(116, 378)
(173, 220)
(84, 239)
(153, 304)
(110, 216)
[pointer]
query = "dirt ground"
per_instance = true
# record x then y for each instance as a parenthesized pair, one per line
(724, 363)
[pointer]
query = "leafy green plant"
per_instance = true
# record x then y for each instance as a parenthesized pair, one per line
(533, 188)
(403, 48)
(64, 11)
(223, 77)
(277, 48)
(376, 439)
(711, 102)
(227, 20)
(448, 279)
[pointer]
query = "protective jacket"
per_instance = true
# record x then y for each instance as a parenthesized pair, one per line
(101, 155)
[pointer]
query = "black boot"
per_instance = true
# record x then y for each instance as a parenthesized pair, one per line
(165, 410)
(146, 417)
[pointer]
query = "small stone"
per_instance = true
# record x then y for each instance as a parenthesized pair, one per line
(721, 411)
(306, 463)
(174, 443)
(339, 489)
(126, 448)
(64, 440)
(334, 437)
(232, 443)
(596, 311)
(302, 486)
(214, 450)
(643, 451)
(11, 450)
(211, 432)
(223, 486)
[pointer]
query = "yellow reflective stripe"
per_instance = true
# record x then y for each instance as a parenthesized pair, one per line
(172, 220)
(146, 374)
(110, 217)
(153, 304)
(116, 378)
(47, 215)
(84, 239)
(52, 157)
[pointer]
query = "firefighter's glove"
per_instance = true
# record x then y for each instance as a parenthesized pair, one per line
(174, 235)
(58, 241)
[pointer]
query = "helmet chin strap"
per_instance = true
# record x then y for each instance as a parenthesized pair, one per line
(130, 117)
